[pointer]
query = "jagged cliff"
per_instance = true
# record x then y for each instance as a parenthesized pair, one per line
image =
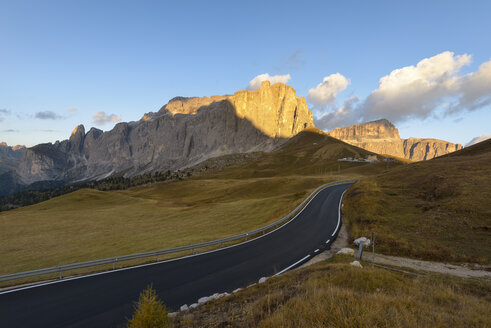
(184, 132)
(382, 137)
(10, 157)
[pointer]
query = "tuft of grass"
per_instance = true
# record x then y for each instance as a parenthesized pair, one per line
(150, 312)
(335, 294)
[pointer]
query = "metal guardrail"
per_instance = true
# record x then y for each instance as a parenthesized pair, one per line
(113, 260)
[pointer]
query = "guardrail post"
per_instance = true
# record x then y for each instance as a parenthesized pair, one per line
(61, 274)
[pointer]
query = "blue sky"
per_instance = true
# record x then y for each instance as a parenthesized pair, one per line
(61, 62)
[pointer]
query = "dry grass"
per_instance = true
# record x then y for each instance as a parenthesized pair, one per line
(436, 210)
(335, 294)
(90, 224)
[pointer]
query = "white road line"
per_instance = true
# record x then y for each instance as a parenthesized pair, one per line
(327, 242)
(316, 250)
(339, 214)
(291, 266)
(170, 260)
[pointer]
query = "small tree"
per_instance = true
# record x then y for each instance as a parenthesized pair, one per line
(150, 312)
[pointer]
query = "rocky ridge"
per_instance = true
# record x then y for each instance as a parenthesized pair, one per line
(10, 157)
(382, 137)
(183, 133)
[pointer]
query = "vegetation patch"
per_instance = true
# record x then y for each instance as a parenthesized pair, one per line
(436, 210)
(335, 294)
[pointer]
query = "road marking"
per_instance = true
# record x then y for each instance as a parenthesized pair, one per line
(339, 214)
(291, 266)
(316, 250)
(327, 242)
(170, 260)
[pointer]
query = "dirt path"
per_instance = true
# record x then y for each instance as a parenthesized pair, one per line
(455, 270)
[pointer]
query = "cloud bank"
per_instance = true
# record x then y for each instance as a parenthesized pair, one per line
(101, 118)
(433, 86)
(48, 115)
(3, 112)
(255, 83)
(478, 139)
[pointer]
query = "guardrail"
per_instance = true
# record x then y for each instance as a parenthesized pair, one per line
(113, 260)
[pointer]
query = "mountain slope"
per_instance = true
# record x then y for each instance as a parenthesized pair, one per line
(435, 210)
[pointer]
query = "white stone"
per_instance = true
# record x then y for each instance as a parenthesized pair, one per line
(185, 307)
(172, 314)
(215, 296)
(346, 251)
(236, 290)
(193, 306)
(203, 300)
(356, 264)
(263, 280)
(364, 240)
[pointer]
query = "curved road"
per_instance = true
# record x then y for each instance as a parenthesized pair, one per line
(106, 299)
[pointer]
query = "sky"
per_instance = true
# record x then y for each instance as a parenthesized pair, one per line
(424, 65)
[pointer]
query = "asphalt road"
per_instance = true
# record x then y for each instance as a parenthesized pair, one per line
(106, 299)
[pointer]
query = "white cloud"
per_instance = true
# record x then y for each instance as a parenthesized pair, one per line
(344, 115)
(326, 91)
(475, 89)
(416, 91)
(255, 83)
(434, 86)
(478, 139)
(101, 118)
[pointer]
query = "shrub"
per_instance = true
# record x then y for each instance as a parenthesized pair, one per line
(150, 312)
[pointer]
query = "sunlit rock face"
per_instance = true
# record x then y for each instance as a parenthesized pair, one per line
(184, 132)
(382, 137)
(275, 109)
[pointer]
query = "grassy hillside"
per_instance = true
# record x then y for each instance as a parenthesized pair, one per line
(435, 210)
(335, 294)
(90, 224)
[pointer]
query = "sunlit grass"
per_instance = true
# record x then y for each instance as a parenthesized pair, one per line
(335, 294)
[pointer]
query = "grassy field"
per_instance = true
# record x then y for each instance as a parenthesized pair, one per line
(435, 210)
(335, 294)
(90, 224)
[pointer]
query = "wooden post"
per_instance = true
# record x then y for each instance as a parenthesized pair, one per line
(373, 246)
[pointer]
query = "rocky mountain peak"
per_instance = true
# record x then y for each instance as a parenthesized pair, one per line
(184, 132)
(382, 137)
(380, 129)
(79, 130)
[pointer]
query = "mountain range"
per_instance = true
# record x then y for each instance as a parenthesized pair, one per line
(382, 137)
(187, 131)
